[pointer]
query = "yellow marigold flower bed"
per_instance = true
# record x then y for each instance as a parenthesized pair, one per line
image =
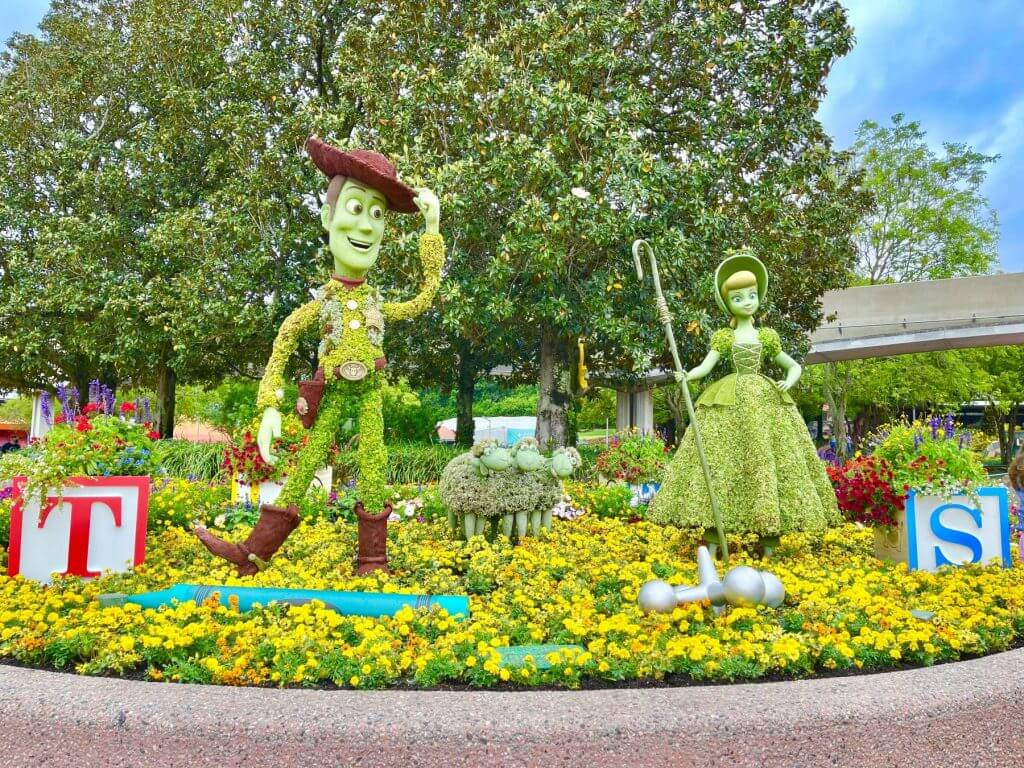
(575, 585)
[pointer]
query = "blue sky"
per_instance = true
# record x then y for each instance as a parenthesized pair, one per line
(956, 66)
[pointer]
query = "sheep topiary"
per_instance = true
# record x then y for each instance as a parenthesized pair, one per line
(516, 486)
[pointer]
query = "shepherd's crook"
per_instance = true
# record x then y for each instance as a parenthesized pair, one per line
(666, 322)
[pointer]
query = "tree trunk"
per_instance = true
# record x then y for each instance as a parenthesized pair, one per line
(81, 383)
(554, 390)
(165, 393)
(994, 418)
(465, 428)
(677, 407)
(1008, 435)
(836, 386)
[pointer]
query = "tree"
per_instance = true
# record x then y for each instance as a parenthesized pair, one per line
(930, 221)
(158, 192)
(999, 380)
(559, 135)
(869, 392)
(167, 161)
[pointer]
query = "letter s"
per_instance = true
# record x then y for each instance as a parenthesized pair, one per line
(954, 536)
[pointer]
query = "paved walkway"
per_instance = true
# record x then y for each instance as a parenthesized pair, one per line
(966, 714)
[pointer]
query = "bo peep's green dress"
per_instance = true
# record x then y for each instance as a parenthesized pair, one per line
(767, 475)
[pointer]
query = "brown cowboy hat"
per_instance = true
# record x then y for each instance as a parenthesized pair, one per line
(363, 165)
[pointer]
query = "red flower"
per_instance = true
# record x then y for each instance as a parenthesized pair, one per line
(153, 434)
(58, 419)
(90, 408)
(127, 408)
(83, 425)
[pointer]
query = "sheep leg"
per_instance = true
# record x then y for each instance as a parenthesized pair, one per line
(481, 525)
(506, 526)
(535, 522)
(545, 520)
(521, 524)
(453, 523)
(469, 524)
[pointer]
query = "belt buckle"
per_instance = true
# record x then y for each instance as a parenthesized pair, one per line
(352, 370)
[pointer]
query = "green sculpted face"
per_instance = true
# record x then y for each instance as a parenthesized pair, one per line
(356, 229)
(743, 302)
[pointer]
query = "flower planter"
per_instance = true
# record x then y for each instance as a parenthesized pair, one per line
(95, 524)
(268, 491)
(891, 541)
(961, 530)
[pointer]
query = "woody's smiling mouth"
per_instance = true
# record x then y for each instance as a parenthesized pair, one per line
(359, 244)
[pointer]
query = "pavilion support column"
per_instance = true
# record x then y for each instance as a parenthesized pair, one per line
(634, 407)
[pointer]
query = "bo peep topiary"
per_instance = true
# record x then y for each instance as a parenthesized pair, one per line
(766, 473)
(518, 486)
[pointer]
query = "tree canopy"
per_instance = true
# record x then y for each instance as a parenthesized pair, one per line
(930, 220)
(160, 207)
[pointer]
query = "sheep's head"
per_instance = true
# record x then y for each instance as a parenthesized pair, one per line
(565, 462)
(527, 455)
(490, 456)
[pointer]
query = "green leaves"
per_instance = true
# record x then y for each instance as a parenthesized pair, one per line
(932, 220)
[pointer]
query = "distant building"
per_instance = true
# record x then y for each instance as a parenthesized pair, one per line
(13, 429)
(199, 432)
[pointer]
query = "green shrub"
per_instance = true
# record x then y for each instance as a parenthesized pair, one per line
(930, 456)
(491, 400)
(408, 463)
(407, 416)
(5, 522)
(13, 464)
(182, 458)
(589, 453)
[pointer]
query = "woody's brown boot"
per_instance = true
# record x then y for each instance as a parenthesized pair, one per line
(373, 539)
(267, 536)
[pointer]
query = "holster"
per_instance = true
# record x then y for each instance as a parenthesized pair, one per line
(312, 391)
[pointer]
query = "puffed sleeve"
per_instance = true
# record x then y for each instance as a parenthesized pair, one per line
(771, 345)
(722, 340)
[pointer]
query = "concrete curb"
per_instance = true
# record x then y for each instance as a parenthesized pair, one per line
(954, 714)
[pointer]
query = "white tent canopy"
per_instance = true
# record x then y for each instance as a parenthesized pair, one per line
(507, 430)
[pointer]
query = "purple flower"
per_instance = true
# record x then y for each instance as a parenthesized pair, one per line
(47, 407)
(918, 439)
(147, 414)
(949, 426)
(934, 424)
(94, 391)
(7, 492)
(75, 399)
(65, 405)
(107, 394)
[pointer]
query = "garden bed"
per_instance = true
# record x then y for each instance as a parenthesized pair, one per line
(577, 585)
